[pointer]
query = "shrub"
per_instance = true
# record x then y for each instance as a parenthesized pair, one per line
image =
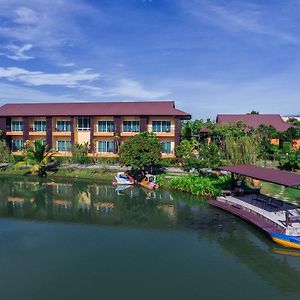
(206, 185)
(79, 153)
(5, 154)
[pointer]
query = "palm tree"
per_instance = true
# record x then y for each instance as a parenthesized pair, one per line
(38, 157)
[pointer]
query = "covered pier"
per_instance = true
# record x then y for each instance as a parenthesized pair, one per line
(269, 214)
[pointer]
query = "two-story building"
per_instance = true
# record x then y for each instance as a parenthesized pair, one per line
(103, 125)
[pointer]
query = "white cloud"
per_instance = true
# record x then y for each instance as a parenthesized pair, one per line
(25, 15)
(239, 17)
(11, 93)
(71, 64)
(126, 88)
(37, 78)
(47, 23)
(17, 52)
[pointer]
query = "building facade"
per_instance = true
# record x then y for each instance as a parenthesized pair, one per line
(102, 125)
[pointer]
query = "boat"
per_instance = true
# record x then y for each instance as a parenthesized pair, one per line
(285, 240)
(149, 182)
(123, 178)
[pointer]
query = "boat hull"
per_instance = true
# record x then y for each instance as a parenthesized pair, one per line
(286, 240)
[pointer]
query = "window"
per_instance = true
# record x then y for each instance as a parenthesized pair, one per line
(17, 125)
(84, 124)
(44, 142)
(166, 147)
(63, 146)
(106, 146)
(106, 126)
(161, 126)
(16, 145)
(63, 126)
(131, 126)
(39, 126)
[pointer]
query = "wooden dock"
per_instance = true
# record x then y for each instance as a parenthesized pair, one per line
(250, 214)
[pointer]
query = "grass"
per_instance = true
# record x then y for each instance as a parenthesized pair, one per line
(101, 173)
(289, 194)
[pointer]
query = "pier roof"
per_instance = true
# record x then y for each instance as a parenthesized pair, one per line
(289, 179)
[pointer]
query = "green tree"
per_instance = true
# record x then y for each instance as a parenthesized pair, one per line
(80, 153)
(241, 150)
(142, 151)
(5, 153)
(37, 158)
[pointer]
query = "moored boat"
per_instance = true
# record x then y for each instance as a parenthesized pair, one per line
(123, 178)
(149, 182)
(285, 240)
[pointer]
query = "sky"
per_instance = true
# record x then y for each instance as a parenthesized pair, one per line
(209, 56)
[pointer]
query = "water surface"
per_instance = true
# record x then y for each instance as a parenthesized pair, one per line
(88, 240)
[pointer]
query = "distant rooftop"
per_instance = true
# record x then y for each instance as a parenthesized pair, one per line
(255, 121)
(157, 108)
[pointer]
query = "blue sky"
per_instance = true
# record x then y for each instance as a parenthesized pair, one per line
(210, 56)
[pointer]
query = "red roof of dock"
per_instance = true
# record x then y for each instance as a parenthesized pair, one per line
(147, 108)
(289, 179)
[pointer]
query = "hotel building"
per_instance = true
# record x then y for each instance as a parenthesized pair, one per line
(103, 125)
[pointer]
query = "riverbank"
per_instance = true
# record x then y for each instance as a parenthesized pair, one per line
(173, 179)
(71, 172)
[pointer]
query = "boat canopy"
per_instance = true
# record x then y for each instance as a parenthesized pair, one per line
(288, 179)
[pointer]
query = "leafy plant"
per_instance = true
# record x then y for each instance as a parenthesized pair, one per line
(142, 151)
(37, 158)
(5, 154)
(79, 153)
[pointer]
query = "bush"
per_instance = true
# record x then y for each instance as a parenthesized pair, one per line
(79, 153)
(5, 154)
(207, 185)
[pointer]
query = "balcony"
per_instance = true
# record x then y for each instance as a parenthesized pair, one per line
(13, 133)
(62, 132)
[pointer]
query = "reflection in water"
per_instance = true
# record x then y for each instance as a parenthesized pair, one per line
(104, 204)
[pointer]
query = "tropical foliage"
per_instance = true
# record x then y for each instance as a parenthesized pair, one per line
(37, 159)
(206, 185)
(80, 153)
(207, 144)
(5, 154)
(141, 152)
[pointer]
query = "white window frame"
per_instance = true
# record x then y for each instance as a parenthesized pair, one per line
(19, 147)
(65, 145)
(84, 128)
(161, 126)
(19, 126)
(131, 126)
(42, 124)
(106, 126)
(64, 126)
(163, 151)
(106, 147)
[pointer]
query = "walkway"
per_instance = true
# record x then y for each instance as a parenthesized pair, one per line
(268, 215)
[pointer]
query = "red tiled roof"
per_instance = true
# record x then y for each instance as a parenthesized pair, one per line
(266, 174)
(157, 108)
(255, 120)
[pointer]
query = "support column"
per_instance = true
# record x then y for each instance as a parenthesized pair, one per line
(72, 130)
(92, 146)
(5, 124)
(143, 123)
(25, 129)
(177, 123)
(49, 131)
(117, 122)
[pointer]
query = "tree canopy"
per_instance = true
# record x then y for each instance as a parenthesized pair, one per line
(141, 151)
